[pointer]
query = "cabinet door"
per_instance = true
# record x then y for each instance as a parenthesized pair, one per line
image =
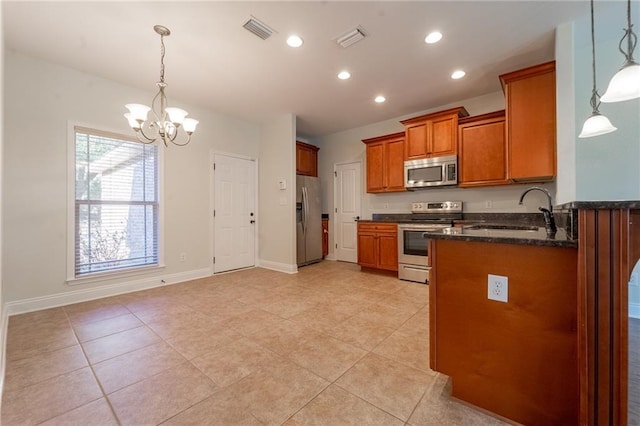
(531, 124)
(375, 167)
(442, 136)
(394, 165)
(325, 237)
(388, 251)
(415, 144)
(482, 153)
(306, 159)
(367, 250)
(305, 162)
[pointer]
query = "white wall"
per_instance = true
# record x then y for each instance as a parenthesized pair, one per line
(347, 146)
(40, 98)
(565, 115)
(277, 239)
(3, 314)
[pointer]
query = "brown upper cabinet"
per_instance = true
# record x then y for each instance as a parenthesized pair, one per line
(530, 99)
(482, 150)
(306, 159)
(432, 135)
(385, 163)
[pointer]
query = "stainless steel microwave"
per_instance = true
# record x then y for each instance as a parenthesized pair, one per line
(428, 172)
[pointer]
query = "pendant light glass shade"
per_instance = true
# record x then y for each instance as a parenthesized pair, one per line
(624, 85)
(596, 125)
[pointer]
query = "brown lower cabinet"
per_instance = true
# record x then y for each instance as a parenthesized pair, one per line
(515, 359)
(325, 237)
(378, 245)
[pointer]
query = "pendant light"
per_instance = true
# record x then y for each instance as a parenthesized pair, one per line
(597, 124)
(625, 84)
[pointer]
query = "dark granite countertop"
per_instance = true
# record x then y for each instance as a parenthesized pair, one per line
(536, 237)
(596, 205)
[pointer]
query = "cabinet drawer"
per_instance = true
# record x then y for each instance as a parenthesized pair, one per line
(377, 227)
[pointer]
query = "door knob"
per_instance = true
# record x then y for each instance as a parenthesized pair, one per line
(252, 221)
(356, 218)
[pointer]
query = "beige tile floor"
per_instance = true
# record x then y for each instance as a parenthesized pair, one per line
(328, 346)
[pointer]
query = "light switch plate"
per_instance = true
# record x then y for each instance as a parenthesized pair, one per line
(498, 288)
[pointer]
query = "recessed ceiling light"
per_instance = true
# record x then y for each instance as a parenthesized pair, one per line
(458, 74)
(344, 75)
(294, 41)
(433, 37)
(380, 99)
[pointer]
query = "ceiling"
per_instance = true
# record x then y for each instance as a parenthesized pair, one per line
(213, 62)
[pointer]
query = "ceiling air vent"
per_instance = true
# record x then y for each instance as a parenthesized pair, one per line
(351, 37)
(258, 28)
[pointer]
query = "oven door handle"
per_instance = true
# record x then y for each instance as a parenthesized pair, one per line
(416, 268)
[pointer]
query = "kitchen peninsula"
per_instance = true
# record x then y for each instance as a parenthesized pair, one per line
(516, 358)
(553, 351)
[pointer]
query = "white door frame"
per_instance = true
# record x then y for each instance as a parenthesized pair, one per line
(335, 197)
(212, 205)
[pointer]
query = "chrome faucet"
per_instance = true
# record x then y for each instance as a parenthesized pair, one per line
(549, 221)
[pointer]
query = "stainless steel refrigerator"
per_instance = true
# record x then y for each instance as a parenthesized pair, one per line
(308, 220)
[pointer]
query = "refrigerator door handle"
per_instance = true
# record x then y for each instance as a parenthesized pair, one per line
(304, 210)
(306, 207)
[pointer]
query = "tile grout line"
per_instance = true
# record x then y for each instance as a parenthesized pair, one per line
(338, 296)
(93, 373)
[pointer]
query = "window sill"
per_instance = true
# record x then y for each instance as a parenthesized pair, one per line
(108, 276)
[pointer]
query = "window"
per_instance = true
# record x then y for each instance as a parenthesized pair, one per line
(116, 207)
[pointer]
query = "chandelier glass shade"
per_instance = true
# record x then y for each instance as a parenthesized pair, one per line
(597, 124)
(165, 122)
(625, 84)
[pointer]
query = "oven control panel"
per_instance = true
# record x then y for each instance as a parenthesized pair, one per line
(437, 207)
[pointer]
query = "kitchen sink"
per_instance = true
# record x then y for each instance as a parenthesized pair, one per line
(503, 227)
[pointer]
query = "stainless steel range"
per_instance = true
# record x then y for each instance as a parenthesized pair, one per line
(413, 252)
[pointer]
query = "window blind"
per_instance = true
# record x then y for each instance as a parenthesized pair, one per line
(116, 203)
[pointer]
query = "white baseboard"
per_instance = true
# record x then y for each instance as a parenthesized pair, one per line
(84, 295)
(280, 267)
(330, 256)
(634, 310)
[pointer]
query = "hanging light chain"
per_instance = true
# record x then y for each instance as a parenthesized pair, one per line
(162, 58)
(595, 103)
(631, 37)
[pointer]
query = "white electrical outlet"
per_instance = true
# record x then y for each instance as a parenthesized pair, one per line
(183, 257)
(488, 204)
(386, 205)
(498, 288)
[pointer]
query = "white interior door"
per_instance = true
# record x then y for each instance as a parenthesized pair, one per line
(347, 208)
(234, 213)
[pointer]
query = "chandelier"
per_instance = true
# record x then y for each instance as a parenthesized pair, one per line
(166, 121)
